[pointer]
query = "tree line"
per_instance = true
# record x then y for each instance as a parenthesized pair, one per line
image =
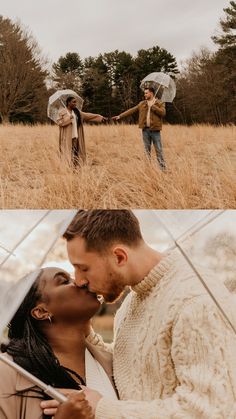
(110, 82)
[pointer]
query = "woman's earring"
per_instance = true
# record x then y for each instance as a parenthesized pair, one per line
(50, 319)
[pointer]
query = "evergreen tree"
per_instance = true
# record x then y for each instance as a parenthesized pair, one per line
(67, 72)
(96, 86)
(110, 82)
(23, 92)
(120, 67)
(228, 25)
(226, 61)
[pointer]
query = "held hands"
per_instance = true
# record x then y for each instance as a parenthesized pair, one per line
(115, 118)
(106, 119)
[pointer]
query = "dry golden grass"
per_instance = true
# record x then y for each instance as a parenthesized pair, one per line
(201, 169)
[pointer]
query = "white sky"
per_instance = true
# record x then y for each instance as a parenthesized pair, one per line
(98, 26)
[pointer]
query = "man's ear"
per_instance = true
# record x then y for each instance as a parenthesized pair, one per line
(40, 312)
(121, 255)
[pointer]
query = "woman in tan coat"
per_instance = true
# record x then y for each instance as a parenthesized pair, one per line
(71, 134)
(47, 338)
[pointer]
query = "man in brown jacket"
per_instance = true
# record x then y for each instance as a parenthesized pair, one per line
(151, 111)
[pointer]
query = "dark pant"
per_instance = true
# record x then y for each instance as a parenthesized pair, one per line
(75, 152)
(153, 137)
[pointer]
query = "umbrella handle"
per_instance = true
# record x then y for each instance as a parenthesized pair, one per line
(54, 394)
(63, 104)
(50, 391)
(159, 86)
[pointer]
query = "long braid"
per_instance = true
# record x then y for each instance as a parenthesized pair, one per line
(76, 111)
(79, 120)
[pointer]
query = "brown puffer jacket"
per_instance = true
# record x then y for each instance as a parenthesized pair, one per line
(157, 113)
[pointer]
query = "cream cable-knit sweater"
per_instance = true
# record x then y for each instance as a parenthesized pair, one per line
(174, 354)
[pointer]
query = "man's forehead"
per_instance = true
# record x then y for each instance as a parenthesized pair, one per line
(77, 249)
(77, 243)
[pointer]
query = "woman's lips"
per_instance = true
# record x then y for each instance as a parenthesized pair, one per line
(99, 297)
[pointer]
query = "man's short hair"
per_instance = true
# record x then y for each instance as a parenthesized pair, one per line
(101, 228)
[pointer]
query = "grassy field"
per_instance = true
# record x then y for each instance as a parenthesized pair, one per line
(201, 173)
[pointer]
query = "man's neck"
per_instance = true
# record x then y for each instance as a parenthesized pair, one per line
(145, 260)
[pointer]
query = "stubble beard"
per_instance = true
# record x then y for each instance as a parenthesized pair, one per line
(116, 288)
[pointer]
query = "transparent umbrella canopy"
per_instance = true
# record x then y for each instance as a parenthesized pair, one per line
(57, 101)
(207, 242)
(205, 239)
(26, 237)
(163, 84)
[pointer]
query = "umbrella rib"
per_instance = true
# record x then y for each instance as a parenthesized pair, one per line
(206, 286)
(65, 225)
(201, 224)
(25, 236)
(10, 252)
(199, 276)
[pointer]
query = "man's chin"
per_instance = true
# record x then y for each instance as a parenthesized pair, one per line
(112, 298)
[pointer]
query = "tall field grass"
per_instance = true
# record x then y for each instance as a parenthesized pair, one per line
(201, 173)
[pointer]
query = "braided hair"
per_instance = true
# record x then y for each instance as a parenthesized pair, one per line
(76, 111)
(29, 347)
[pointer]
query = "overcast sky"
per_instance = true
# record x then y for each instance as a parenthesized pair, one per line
(91, 27)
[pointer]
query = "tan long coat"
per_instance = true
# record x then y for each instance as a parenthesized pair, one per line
(16, 407)
(65, 133)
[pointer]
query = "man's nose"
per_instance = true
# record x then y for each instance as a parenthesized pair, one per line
(80, 281)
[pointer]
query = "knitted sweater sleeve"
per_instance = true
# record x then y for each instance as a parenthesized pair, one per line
(97, 340)
(205, 371)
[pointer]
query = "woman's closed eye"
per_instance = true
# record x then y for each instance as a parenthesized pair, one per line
(63, 280)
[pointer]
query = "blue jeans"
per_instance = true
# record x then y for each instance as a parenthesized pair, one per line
(153, 137)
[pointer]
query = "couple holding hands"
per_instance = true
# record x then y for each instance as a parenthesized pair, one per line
(71, 133)
(172, 354)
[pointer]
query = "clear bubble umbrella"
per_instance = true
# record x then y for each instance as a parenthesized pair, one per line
(164, 85)
(26, 237)
(57, 101)
(207, 240)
